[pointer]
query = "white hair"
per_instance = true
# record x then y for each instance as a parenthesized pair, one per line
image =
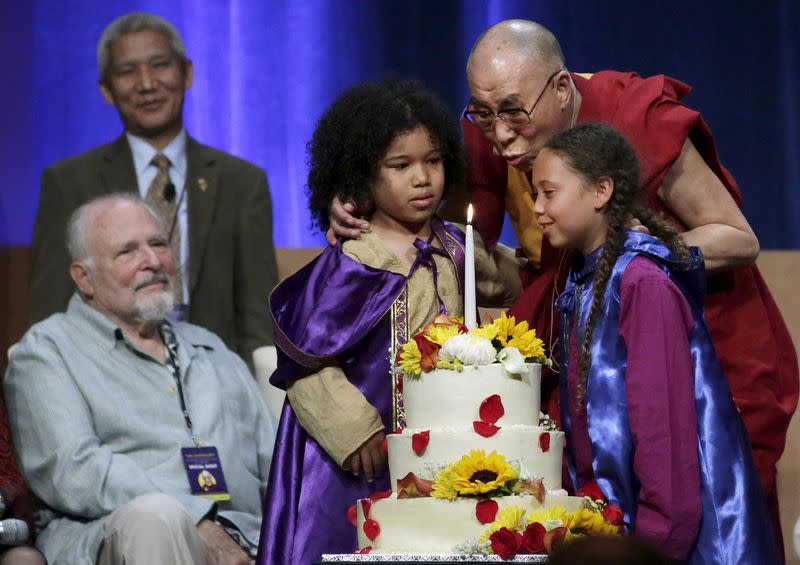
(78, 224)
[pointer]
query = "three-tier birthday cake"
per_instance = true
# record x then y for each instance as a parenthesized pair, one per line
(477, 468)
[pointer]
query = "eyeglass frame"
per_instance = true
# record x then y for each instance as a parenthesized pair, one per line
(499, 114)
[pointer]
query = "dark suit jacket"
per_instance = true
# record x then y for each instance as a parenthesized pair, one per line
(232, 265)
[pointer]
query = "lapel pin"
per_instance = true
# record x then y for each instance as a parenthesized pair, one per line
(202, 184)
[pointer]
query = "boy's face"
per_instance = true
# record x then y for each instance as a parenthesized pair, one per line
(410, 180)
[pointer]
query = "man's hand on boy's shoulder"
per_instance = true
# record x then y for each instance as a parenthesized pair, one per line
(343, 223)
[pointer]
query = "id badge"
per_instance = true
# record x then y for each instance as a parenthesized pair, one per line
(204, 471)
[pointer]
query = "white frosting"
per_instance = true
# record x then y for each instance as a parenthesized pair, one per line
(429, 525)
(453, 398)
(518, 444)
(446, 403)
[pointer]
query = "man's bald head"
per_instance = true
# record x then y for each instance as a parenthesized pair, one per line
(517, 66)
(516, 42)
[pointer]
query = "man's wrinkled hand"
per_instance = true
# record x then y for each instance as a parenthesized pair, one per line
(343, 223)
(220, 548)
(635, 225)
(370, 458)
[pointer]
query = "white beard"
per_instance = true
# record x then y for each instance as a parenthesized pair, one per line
(155, 308)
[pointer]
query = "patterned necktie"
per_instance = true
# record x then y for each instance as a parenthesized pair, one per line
(163, 200)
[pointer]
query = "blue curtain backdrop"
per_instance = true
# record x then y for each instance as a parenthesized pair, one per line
(265, 70)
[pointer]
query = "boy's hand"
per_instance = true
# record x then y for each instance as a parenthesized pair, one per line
(370, 457)
(343, 223)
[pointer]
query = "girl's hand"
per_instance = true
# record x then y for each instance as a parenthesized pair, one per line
(370, 457)
(343, 223)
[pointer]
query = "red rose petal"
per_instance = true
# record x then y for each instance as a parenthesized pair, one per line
(366, 504)
(364, 550)
(371, 529)
(352, 515)
(592, 490)
(506, 543)
(485, 429)
(533, 539)
(613, 514)
(419, 441)
(491, 409)
(380, 495)
(400, 384)
(486, 511)
(544, 442)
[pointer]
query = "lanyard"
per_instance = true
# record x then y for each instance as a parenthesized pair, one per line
(171, 345)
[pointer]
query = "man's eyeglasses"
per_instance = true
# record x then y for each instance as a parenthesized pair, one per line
(514, 117)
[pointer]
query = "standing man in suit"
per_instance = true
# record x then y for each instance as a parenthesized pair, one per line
(216, 207)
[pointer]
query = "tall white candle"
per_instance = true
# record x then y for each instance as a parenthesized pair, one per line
(469, 274)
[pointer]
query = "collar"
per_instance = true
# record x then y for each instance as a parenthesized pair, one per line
(143, 152)
(93, 323)
(100, 329)
(584, 267)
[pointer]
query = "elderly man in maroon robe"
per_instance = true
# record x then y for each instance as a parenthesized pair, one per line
(521, 94)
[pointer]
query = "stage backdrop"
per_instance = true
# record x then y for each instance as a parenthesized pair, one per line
(265, 69)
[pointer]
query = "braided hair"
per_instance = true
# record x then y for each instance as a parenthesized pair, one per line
(594, 151)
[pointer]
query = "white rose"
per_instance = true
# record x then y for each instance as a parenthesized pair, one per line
(512, 360)
(469, 349)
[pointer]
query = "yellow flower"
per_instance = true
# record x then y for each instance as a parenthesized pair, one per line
(528, 344)
(505, 328)
(489, 332)
(439, 333)
(545, 515)
(451, 364)
(516, 335)
(443, 486)
(410, 358)
(585, 521)
(478, 473)
(512, 518)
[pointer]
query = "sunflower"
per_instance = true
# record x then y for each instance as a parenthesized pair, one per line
(410, 358)
(512, 518)
(443, 486)
(478, 473)
(439, 333)
(528, 344)
(508, 328)
(512, 334)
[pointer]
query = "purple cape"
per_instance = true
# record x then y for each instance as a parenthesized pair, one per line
(735, 528)
(333, 311)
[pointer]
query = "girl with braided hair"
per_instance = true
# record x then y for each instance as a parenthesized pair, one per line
(648, 413)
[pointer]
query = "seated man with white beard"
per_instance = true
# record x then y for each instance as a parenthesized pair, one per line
(118, 414)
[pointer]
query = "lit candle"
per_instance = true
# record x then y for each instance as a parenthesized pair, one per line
(469, 274)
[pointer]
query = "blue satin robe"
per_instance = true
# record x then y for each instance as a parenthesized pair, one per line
(735, 528)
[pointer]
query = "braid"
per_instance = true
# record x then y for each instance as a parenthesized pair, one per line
(594, 152)
(615, 234)
(662, 230)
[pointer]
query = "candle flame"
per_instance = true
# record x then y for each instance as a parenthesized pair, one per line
(469, 214)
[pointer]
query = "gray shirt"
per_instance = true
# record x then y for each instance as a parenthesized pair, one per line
(97, 422)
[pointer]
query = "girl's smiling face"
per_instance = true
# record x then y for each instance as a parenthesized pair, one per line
(410, 181)
(570, 211)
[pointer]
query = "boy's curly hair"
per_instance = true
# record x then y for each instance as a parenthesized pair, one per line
(354, 133)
